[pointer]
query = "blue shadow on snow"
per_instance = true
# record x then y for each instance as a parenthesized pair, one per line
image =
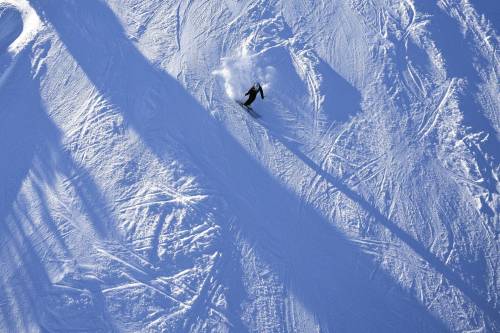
(330, 276)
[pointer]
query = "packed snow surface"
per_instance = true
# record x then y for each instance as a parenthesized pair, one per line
(136, 195)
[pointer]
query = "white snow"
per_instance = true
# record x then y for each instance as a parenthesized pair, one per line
(240, 69)
(136, 195)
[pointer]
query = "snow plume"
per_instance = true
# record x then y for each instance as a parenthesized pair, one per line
(242, 70)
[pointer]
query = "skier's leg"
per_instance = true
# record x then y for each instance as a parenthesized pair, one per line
(249, 101)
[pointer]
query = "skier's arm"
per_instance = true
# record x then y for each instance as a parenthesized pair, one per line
(261, 92)
(248, 92)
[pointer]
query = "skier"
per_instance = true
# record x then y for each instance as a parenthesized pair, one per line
(252, 94)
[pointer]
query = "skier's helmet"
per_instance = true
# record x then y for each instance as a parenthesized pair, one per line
(256, 85)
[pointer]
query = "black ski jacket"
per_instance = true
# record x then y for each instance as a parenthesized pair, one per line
(252, 94)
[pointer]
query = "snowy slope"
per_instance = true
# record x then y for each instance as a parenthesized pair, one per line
(137, 196)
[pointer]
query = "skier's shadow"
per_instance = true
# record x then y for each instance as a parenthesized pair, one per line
(430, 258)
(96, 40)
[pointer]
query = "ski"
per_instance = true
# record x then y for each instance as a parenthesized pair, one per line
(249, 110)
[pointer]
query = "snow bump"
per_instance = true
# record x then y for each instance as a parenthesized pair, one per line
(11, 26)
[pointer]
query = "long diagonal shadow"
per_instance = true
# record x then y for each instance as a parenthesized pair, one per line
(19, 111)
(32, 157)
(323, 267)
(451, 276)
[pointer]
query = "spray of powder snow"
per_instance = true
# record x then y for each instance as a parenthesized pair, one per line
(242, 70)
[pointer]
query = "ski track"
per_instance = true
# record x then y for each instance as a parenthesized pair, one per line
(141, 198)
